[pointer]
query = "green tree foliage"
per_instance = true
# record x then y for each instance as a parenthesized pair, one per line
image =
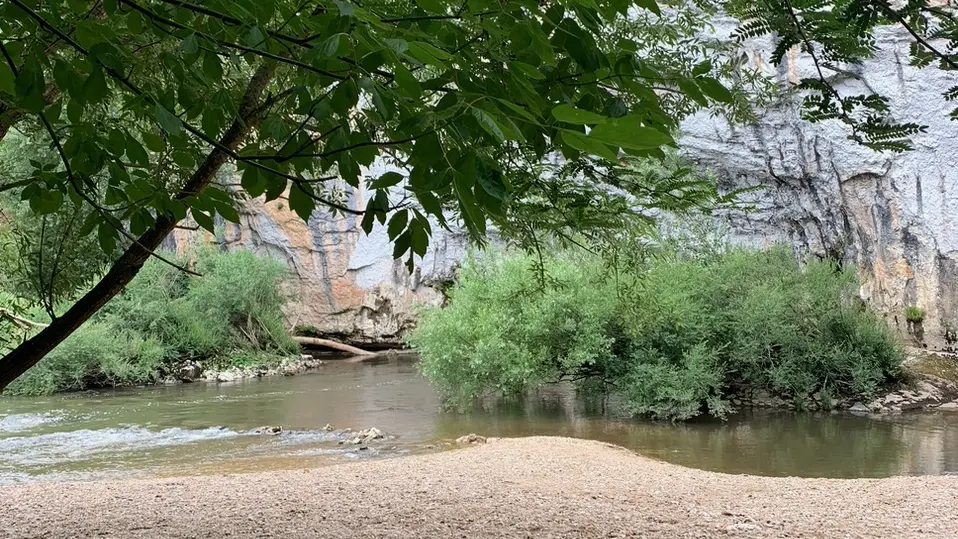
(237, 304)
(166, 316)
(838, 34)
(672, 336)
(144, 101)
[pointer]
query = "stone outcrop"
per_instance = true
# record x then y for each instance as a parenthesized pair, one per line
(892, 216)
(344, 283)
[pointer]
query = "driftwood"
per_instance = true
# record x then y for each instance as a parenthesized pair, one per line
(332, 344)
(19, 320)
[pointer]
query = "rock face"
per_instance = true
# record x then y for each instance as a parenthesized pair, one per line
(344, 283)
(892, 216)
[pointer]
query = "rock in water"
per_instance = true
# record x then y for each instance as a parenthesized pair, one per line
(190, 371)
(859, 408)
(269, 430)
(367, 435)
(471, 438)
(328, 427)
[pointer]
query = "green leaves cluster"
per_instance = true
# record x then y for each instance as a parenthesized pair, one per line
(673, 335)
(138, 97)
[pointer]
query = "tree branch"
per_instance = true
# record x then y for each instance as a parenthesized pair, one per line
(125, 268)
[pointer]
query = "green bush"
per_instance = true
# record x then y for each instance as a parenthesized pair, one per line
(96, 355)
(230, 316)
(672, 336)
(236, 305)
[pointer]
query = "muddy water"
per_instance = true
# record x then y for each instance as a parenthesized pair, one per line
(209, 428)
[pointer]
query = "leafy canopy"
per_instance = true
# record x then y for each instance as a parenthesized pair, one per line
(143, 98)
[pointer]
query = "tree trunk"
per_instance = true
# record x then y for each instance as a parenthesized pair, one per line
(333, 344)
(128, 265)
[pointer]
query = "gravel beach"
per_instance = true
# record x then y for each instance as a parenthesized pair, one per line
(524, 487)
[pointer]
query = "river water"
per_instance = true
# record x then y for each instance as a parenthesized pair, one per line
(206, 428)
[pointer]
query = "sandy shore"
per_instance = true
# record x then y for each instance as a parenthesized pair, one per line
(528, 487)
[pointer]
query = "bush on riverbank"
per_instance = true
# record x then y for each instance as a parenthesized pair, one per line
(673, 336)
(231, 314)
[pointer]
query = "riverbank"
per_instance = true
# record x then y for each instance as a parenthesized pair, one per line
(526, 487)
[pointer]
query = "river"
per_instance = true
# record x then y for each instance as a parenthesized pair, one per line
(207, 428)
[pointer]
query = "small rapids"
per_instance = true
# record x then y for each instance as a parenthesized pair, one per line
(22, 422)
(209, 428)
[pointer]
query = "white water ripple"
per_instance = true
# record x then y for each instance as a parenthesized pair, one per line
(22, 422)
(58, 447)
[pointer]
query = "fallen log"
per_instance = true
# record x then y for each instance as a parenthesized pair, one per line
(332, 344)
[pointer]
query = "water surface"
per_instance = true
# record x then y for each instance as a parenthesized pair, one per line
(209, 428)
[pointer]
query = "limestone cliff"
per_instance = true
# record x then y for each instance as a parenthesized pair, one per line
(892, 216)
(344, 283)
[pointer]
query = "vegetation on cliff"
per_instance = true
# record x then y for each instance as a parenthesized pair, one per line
(672, 332)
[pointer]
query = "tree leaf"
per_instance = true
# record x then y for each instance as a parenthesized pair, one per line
(330, 46)
(388, 179)
(432, 6)
(117, 142)
(227, 210)
(397, 223)
(7, 80)
(572, 115)
(203, 219)
(629, 133)
(275, 185)
(30, 86)
(488, 124)
(168, 121)
(136, 153)
(401, 244)
(407, 82)
(419, 240)
(94, 89)
(526, 70)
(714, 89)
(154, 142)
(345, 8)
(253, 182)
(300, 202)
(190, 45)
(591, 146)
(184, 159)
(106, 236)
(212, 67)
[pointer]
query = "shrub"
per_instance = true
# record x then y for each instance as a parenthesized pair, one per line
(230, 316)
(915, 315)
(96, 355)
(672, 336)
(236, 305)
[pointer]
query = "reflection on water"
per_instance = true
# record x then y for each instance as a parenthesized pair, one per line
(207, 428)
